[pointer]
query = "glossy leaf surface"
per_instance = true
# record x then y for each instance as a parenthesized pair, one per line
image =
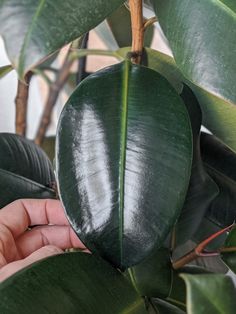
(25, 171)
(204, 54)
(202, 189)
(230, 257)
(69, 283)
(212, 294)
(123, 155)
(44, 26)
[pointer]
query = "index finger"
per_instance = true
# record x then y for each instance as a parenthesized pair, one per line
(21, 214)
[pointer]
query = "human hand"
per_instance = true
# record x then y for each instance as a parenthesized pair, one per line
(20, 247)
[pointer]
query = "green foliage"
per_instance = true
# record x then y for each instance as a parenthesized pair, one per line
(53, 24)
(70, 283)
(25, 171)
(121, 140)
(136, 176)
(205, 55)
(210, 293)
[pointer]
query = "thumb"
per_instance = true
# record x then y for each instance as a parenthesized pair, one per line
(46, 251)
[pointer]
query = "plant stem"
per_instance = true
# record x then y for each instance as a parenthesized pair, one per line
(54, 91)
(149, 22)
(230, 249)
(80, 53)
(199, 250)
(136, 11)
(21, 102)
(83, 61)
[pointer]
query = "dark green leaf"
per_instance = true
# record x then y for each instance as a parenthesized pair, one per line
(211, 294)
(34, 29)
(153, 276)
(25, 171)
(67, 284)
(158, 306)
(4, 70)
(220, 162)
(120, 25)
(230, 257)
(124, 155)
(202, 189)
(204, 50)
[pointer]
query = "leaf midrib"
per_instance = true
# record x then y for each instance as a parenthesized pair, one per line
(27, 37)
(123, 140)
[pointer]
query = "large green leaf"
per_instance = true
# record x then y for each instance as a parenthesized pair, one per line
(25, 171)
(211, 294)
(120, 25)
(204, 51)
(123, 155)
(67, 284)
(202, 189)
(34, 29)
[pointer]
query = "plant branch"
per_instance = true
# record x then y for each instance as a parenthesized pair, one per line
(21, 102)
(136, 11)
(230, 249)
(54, 91)
(80, 53)
(149, 22)
(198, 251)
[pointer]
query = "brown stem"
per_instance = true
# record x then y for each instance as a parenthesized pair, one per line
(21, 102)
(136, 11)
(199, 250)
(54, 91)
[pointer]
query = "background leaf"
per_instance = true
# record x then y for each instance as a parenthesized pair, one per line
(132, 129)
(203, 48)
(153, 276)
(45, 26)
(212, 294)
(202, 189)
(4, 70)
(120, 25)
(69, 283)
(220, 162)
(230, 257)
(25, 170)
(158, 306)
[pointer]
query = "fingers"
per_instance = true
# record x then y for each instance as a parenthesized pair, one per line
(21, 214)
(43, 252)
(61, 236)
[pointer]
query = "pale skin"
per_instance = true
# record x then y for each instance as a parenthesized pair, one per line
(20, 247)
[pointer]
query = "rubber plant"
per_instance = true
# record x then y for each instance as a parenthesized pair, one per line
(150, 194)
